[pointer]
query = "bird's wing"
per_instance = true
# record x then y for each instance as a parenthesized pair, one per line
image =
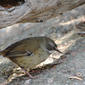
(19, 53)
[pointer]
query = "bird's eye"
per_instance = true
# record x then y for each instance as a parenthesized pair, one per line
(55, 45)
(50, 47)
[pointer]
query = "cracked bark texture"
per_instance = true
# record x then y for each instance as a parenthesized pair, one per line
(36, 11)
(63, 31)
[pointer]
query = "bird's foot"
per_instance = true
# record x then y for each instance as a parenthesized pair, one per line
(32, 77)
(27, 73)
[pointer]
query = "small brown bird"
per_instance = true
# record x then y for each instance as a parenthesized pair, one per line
(29, 52)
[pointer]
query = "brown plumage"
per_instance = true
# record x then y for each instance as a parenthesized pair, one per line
(30, 52)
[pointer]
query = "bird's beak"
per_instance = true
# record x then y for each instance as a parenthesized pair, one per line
(58, 50)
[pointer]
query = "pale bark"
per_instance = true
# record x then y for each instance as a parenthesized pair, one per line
(36, 11)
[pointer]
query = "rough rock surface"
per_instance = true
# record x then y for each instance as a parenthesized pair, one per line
(35, 10)
(70, 70)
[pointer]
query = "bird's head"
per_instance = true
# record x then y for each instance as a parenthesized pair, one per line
(51, 45)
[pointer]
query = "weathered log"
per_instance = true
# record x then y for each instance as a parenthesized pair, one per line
(36, 11)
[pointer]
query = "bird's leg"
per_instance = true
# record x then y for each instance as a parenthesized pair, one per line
(26, 72)
(32, 77)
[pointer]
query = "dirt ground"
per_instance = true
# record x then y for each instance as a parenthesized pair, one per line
(69, 68)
